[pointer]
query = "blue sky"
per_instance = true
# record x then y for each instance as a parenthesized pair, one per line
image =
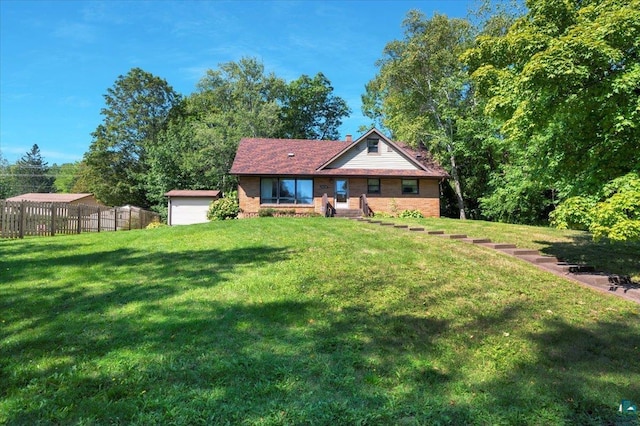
(58, 58)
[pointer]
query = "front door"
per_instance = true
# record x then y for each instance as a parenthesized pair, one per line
(342, 194)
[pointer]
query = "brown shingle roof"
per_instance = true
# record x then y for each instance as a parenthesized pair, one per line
(257, 156)
(301, 157)
(192, 193)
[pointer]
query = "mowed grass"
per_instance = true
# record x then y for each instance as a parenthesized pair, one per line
(303, 321)
(621, 258)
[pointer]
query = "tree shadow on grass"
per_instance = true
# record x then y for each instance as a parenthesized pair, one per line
(622, 258)
(578, 376)
(122, 356)
(281, 363)
(53, 311)
(302, 362)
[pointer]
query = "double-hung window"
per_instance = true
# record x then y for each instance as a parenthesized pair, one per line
(372, 146)
(286, 191)
(373, 186)
(409, 186)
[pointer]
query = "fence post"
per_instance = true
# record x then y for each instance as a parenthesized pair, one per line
(115, 218)
(22, 220)
(79, 219)
(3, 206)
(53, 219)
(99, 218)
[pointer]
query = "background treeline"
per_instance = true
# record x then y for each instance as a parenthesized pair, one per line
(152, 139)
(534, 109)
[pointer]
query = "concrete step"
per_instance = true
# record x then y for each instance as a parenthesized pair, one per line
(572, 268)
(539, 259)
(499, 246)
(477, 240)
(521, 252)
(435, 232)
(452, 236)
(401, 226)
(416, 229)
(348, 213)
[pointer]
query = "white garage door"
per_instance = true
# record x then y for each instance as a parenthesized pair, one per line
(186, 211)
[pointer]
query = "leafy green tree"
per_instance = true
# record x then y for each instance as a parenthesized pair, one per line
(197, 148)
(137, 107)
(423, 94)
(310, 110)
(66, 176)
(32, 174)
(5, 178)
(615, 215)
(565, 79)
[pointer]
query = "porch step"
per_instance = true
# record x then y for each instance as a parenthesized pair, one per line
(350, 213)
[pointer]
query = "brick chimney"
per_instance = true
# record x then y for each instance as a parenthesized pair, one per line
(349, 139)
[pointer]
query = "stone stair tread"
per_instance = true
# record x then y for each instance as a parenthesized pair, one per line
(539, 259)
(573, 268)
(349, 213)
(521, 252)
(452, 236)
(499, 246)
(416, 229)
(435, 232)
(477, 240)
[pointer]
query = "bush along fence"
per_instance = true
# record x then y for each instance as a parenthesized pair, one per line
(25, 218)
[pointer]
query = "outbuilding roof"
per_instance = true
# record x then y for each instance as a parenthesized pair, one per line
(50, 197)
(193, 193)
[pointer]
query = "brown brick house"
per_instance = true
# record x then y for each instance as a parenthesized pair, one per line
(371, 173)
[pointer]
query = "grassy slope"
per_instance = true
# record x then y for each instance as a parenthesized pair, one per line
(575, 246)
(289, 321)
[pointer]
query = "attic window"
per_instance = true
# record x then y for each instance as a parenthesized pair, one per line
(372, 146)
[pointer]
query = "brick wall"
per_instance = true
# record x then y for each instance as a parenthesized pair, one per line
(390, 200)
(249, 194)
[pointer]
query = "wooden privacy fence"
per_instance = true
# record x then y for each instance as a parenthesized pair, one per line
(25, 218)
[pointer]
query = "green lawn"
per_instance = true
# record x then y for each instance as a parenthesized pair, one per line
(305, 321)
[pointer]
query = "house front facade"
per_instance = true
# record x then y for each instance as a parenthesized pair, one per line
(369, 175)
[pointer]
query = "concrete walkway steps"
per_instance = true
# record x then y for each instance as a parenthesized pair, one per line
(617, 285)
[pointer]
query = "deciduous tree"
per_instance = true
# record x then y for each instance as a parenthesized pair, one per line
(310, 110)
(423, 94)
(5, 178)
(197, 148)
(566, 81)
(136, 110)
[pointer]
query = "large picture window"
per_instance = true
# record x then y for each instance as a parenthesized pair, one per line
(409, 186)
(286, 191)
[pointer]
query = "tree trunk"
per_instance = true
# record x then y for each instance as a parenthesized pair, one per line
(456, 182)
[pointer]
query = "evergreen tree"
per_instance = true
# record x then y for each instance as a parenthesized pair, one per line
(31, 173)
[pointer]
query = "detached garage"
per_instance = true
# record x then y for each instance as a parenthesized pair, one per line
(187, 207)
